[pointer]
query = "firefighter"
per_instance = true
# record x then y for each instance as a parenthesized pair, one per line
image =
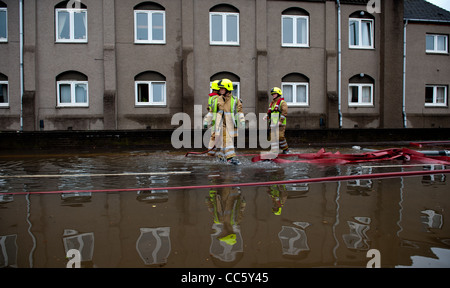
(277, 113)
(229, 116)
(210, 118)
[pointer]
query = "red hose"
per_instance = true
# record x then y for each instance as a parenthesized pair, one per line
(269, 183)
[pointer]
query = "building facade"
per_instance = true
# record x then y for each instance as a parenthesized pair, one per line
(123, 65)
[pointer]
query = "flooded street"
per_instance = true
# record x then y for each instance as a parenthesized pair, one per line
(329, 224)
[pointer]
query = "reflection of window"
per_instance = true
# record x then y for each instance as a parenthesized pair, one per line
(3, 24)
(295, 31)
(150, 93)
(224, 28)
(436, 43)
(4, 98)
(149, 27)
(295, 93)
(73, 94)
(360, 33)
(71, 25)
(436, 95)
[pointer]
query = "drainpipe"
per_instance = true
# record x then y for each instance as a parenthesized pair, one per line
(21, 61)
(404, 76)
(339, 62)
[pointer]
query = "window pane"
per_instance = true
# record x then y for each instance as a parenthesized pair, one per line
(216, 28)
(287, 93)
(430, 42)
(236, 90)
(232, 28)
(302, 31)
(4, 93)
(158, 26)
(80, 93)
(441, 43)
(288, 30)
(64, 93)
(440, 95)
(143, 93)
(429, 94)
(80, 25)
(354, 32)
(63, 25)
(301, 94)
(158, 92)
(366, 30)
(354, 94)
(3, 30)
(366, 94)
(141, 26)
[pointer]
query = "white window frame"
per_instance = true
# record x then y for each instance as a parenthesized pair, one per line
(150, 94)
(6, 26)
(71, 26)
(360, 89)
(294, 31)
(149, 28)
(7, 89)
(224, 29)
(73, 102)
(435, 104)
(295, 102)
(435, 50)
(372, 32)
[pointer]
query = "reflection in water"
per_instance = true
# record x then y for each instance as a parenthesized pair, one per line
(227, 207)
(405, 214)
(153, 245)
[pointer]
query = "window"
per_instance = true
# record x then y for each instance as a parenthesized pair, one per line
(71, 25)
(224, 28)
(149, 27)
(4, 97)
(436, 95)
(294, 31)
(150, 93)
(361, 33)
(436, 43)
(360, 95)
(295, 94)
(3, 24)
(73, 94)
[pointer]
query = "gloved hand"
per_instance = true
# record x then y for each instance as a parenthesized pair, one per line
(205, 125)
(243, 124)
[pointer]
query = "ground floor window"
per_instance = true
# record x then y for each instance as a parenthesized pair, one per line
(150, 93)
(4, 97)
(360, 95)
(295, 94)
(73, 94)
(436, 95)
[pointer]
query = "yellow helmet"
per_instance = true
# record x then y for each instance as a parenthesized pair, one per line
(276, 90)
(214, 85)
(226, 83)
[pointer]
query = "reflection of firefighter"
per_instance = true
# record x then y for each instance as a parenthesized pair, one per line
(278, 194)
(227, 206)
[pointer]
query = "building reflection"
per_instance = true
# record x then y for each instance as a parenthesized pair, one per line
(293, 239)
(153, 245)
(83, 242)
(8, 251)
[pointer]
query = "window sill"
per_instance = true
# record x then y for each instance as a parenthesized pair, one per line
(361, 48)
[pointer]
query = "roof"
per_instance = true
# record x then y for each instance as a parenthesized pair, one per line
(421, 10)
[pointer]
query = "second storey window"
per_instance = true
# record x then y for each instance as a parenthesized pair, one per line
(224, 28)
(437, 43)
(361, 33)
(294, 31)
(149, 27)
(436, 96)
(71, 25)
(73, 93)
(3, 25)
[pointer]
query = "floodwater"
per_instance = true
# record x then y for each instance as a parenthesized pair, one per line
(328, 224)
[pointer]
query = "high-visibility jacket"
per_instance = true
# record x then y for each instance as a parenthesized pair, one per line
(229, 106)
(278, 111)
